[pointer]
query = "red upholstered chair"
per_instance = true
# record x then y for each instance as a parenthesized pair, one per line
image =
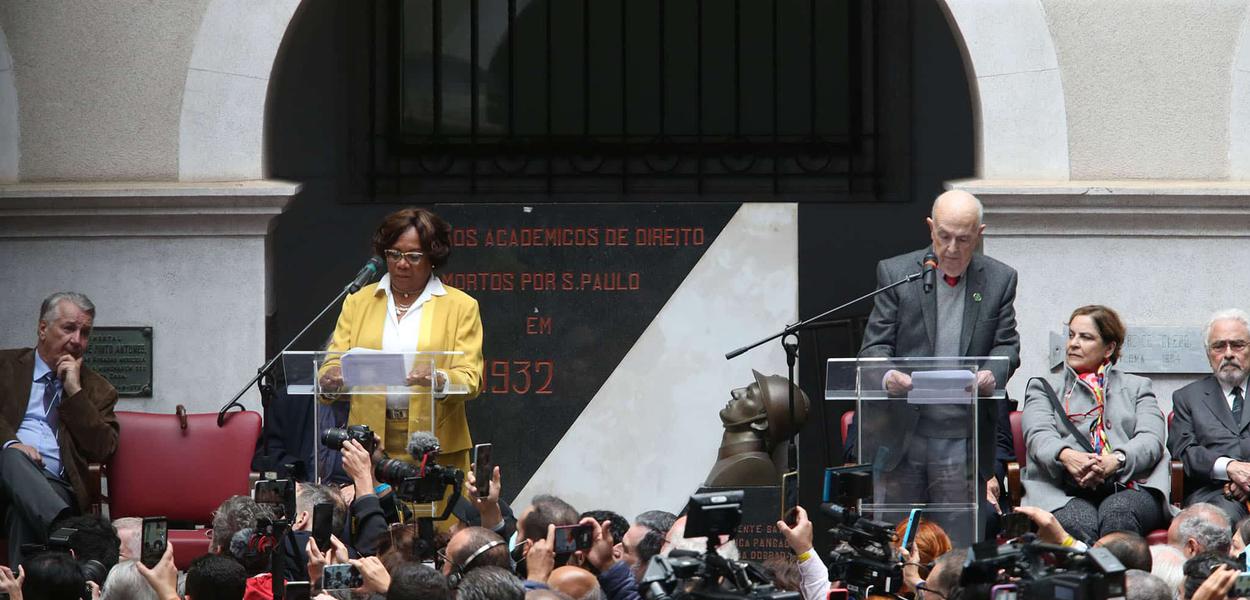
(181, 467)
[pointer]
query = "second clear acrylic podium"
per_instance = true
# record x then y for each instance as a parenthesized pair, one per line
(918, 420)
(387, 386)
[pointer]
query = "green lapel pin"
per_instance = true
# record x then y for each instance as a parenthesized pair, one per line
(976, 296)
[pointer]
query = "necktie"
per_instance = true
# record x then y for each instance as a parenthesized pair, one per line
(951, 281)
(51, 393)
(1238, 402)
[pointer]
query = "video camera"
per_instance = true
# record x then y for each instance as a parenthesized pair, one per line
(1032, 570)
(684, 575)
(863, 556)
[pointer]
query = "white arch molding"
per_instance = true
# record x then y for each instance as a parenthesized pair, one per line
(9, 130)
(222, 125)
(1017, 94)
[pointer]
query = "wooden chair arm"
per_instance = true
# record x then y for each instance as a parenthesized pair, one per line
(1015, 491)
(95, 476)
(1177, 473)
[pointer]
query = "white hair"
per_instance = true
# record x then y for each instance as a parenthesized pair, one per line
(1228, 314)
(125, 582)
(134, 526)
(1168, 564)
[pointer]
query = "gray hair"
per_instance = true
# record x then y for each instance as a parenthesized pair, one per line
(1168, 564)
(1140, 585)
(1208, 525)
(1228, 314)
(125, 582)
(234, 514)
(490, 583)
(51, 307)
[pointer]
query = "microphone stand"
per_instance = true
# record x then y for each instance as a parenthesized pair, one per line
(790, 342)
(266, 372)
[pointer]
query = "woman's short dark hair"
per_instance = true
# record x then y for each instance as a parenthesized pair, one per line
(1109, 325)
(433, 231)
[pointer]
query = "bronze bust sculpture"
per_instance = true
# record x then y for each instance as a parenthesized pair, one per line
(757, 433)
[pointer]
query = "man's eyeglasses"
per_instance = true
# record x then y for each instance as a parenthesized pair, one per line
(395, 255)
(1235, 345)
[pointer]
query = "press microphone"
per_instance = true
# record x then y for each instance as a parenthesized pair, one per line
(366, 274)
(424, 448)
(930, 275)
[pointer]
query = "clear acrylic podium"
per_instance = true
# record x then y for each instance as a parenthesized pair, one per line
(917, 425)
(377, 378)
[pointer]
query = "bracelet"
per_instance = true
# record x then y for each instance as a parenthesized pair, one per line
(1068, 541)
(804, 556)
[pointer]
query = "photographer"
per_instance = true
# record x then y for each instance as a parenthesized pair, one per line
(366, 508)
(53, 576)
(813, 575)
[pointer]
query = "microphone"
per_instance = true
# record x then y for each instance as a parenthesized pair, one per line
(930, 263)
(424, 449)
(366, 274)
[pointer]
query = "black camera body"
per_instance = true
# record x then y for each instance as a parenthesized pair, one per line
(1046, 571)
(683, 575)
(863, 557)
(334, 437)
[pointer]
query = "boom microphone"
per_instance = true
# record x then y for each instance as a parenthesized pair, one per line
(930, 264)
(366, 274)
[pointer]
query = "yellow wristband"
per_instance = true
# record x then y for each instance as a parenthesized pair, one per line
(804, 556)
(1068, 541)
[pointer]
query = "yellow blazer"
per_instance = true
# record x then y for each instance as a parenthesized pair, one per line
(448, 322)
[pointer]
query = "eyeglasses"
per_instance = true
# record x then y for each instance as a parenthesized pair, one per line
(394, 256)
(1235, 345)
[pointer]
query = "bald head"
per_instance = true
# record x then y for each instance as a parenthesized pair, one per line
(955, 228)
(573, 582)
(956, 204)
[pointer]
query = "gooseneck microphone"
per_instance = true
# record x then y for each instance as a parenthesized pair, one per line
(366, 274)
(930, 274)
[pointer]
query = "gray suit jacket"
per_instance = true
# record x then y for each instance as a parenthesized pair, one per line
(1135, 426)
(904, 323)
(1203, 430)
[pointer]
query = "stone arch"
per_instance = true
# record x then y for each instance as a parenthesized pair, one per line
(222, 124)
(1239, 106)
(10, 133)
(1017, 94)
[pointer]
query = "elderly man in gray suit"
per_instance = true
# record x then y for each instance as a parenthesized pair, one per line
(1208, 431)
(969, 313)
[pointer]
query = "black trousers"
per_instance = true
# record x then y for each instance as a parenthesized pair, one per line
(31, 498)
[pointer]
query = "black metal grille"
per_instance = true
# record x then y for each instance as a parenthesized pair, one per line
(771, 97)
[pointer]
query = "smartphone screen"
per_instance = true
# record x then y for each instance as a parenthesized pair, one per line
(571, 538)
(298, 590)
(155, 537)
(790, 497)
(322, 525)
(839, 594)
(483, 469)
(1016, 524)
(341, 577)
(913, 523)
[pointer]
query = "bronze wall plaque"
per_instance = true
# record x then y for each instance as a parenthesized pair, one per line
(123, 355)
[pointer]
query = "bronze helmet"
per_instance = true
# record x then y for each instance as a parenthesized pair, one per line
(777, 404)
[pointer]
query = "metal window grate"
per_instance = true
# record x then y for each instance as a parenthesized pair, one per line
(771, 97)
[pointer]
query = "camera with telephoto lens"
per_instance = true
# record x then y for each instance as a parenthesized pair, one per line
(1032, 570)
(413, 485)
(334, 437)
(689, 575)
(61, 540)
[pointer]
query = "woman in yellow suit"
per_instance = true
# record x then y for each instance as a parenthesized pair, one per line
(410, 310)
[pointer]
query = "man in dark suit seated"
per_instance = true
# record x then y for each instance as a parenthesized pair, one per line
(56, 415)
(1208, 432)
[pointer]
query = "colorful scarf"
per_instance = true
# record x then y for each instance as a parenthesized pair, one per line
(1096, 381)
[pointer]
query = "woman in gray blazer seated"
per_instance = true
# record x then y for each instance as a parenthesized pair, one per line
(1096, 444)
